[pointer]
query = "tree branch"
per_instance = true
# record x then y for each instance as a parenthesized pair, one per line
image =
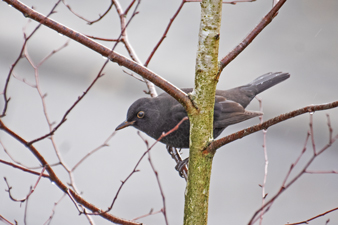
(263, 126)
(106, 52)
(54, 178)
(253, 34)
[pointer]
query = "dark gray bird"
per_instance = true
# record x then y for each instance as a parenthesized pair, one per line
(154, 116)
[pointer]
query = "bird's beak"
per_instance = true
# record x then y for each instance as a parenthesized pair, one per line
(124, 124)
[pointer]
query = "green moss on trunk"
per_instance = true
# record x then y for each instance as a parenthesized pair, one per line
(201, 120)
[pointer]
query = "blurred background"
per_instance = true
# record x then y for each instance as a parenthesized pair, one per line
(301, 40)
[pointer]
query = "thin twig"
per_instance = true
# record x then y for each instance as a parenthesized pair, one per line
(264, 126)
(225, 2)
(124, 38)
(164, 212)
(315, 217)
(4, 220)
(105, 52)
(148, 214)
(26, 39)
(60, 184)
(49, 220)
(64, 118)
(24, 168)
(164, 34)
(105, 144)
(32, 189)
(252, 35)
(285, 185)
(139, 161)
(322, 172)
(90, 22)
(266, 160)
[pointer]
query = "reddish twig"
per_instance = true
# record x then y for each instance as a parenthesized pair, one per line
(322, 172)
(238, 1)
(26, 39)
(90, 22)
(105, 144)
(23, 80)
(143, 155)
(253, 34)
(106, 52)
(124, 25)
(124, 38)
(12, 158)
(5, 221)
(64, 118)
(165, 33)
(133, 75)
(225, 2)
(129, 7)
(329, 126)
(32, 189)
(315, 217)
(297, 160)
(164, 211)
(60, 184)
(312, 134)
(285, 185)
(24, 169)
(148, 214)
(37, 80)
(53, 210)
(101, 39)
(266, 160)
(264, 126)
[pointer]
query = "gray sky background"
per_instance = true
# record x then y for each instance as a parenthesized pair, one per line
(302, 40)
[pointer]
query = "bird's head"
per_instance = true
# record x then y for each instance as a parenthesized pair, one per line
(141, 114)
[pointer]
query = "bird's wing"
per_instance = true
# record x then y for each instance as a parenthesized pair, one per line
(228, 112)
(178, 112)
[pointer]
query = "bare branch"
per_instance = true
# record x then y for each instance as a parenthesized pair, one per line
(106, 52)
(165, 33)
(90, 22)
(32, 189)
(264, 126)
(143, 155)
(266, 160)
(93, 151)
(253, 34)
(225, 2)
(315, 217)
(5, 221)
(148, 214)
(124, 38)
(164, 211)
(64, 118)
(60, 184)
(102, 39)
(24, 168)
(285, 185)
(53, 210)
(26, 39)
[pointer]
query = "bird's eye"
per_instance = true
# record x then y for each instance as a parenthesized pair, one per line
(140, 114)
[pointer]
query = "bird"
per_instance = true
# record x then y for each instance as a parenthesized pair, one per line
(154, 116)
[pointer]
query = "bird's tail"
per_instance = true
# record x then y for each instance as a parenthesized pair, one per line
(244, 94)
(265, 81)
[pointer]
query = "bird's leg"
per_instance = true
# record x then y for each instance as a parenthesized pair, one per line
(181, 165)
